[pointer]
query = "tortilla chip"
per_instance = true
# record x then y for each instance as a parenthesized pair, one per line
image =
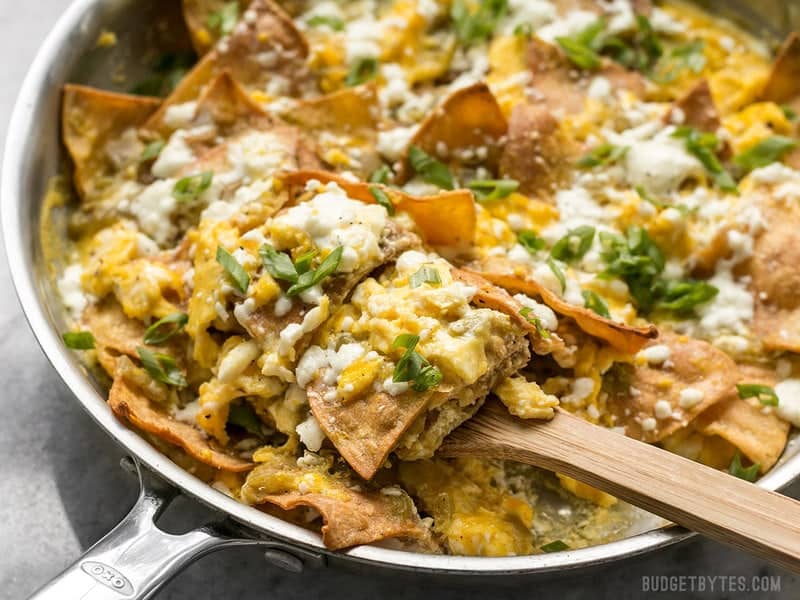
(197, 14)
(351, 514)
(458, 231)
(776, 278)
(562, 88)
(134, 407)
(224, 104)
(91, 119)
(537, 154)
(494, 297)
(468, 119)
(254, 54)
(634, 390)
(783, 84)
(623, 337)
(697, 108)
(760, 437)
(367, 429)
(349, 117)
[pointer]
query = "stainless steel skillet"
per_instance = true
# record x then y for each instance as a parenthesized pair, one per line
(137, 557)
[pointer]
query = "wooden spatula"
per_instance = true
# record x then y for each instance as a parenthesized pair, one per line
(700, 498)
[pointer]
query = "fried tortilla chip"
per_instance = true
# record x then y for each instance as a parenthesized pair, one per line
(783, 84)
(775, 277)
(760, 437)
(697, 109)
(623, 337)
(270, 48)
(225, 105)
(352, 512)
(99, 131)
(349, 118)
(655, 399)
(426, 211)
(204, 20)
(134, 407)
(468, 123)
(496, 298)
(562, 88)
(537, 154)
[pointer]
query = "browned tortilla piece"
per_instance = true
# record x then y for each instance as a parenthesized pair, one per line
(537, 154)
(115, 333)
(635, 390)
(352, 512)
(776, 278)
(491, 296)
(469, 119)
(254, 54)
(623, 337)
(457, 231)
(93, 122)
(349, 117)
(133, 406)
(367, 429)
(783, 84)
(562, 87)
(697, 108)
(197, 14)
(224, 104)
(760, 437)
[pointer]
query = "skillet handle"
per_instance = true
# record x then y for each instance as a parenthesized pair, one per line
(136, 557)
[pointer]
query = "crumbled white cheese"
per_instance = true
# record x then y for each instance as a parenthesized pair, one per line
(393, 142)
(690, 397)
(663, 409)
(153, 208)
(178, 116)
(540, 311)
(655, 355)
(237, 360)
(311, 434)
(788, 409)
(661, 165)
(532, 13)
(69, 286)
(332, 219)
(649, 424)
(569, 25)
(394, 388)
(731, 310)
(580, 389)
(173, 157)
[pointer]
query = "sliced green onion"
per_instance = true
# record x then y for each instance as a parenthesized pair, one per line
(224, 19)
(530, 241)
(431, 170)
(562, 279)
(529, 316)
(486, 190)
(311, 278)
(382, 198)
(747, 473)
(242, 415)
(163, 329)
(235, 271)
(152, 150)
(425, 275)
(362, 71)
(333, 23)
(79, 340)
(765, 394)
(764, 153)
(161, 367)
(413, 367)
(555, 546)
(595, 303)
(189, 188)
(574, 245)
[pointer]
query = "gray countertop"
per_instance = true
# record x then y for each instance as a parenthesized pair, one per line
(61, 487)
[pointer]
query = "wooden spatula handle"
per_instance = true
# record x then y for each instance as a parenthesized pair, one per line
(700, 498)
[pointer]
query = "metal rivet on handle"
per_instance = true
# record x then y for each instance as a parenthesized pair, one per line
(284, 560)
